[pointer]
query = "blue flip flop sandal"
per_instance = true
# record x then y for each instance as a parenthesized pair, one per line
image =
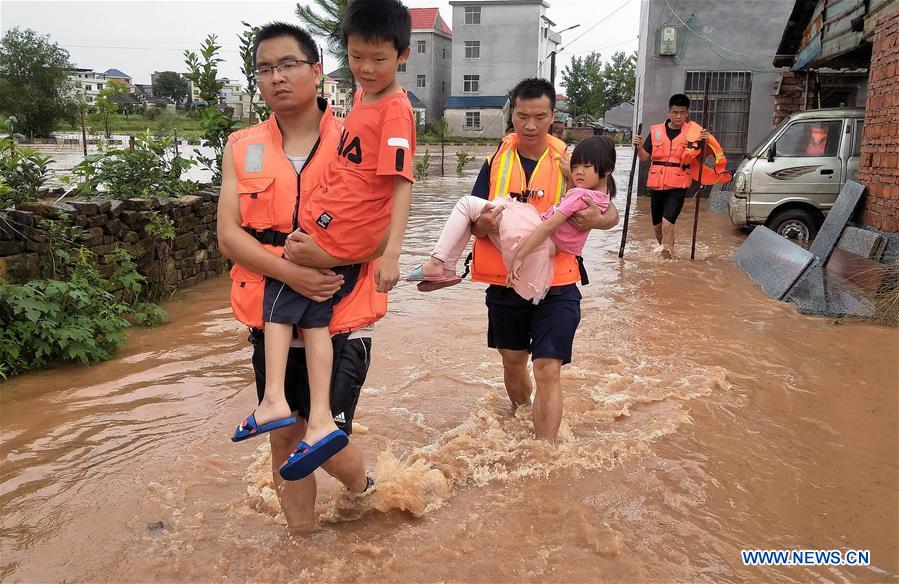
(250, 428)
(305, 459)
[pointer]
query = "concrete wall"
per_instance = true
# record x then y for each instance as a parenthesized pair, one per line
(745, 36)
(104, 225)
(509, 33)
(436, 65)
(493, 123)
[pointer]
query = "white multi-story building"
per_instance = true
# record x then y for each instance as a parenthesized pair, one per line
(428, 72)
(88, 83)
(496, 44)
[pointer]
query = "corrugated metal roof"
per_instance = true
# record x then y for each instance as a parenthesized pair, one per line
(476, 101)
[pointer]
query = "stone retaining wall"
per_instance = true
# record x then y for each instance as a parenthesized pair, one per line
(103, 225)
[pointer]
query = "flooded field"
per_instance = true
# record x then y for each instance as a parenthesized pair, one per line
(701, 418)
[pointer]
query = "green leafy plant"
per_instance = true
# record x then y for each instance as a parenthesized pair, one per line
(148, 169)
(462, 158)
(421, 167)
(160, 226)
(79, 319)
(23, 171)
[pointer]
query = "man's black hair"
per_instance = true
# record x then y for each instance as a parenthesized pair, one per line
(378, 20)
(280, 29)
(598, 152)
(679, 100)
(533, 88)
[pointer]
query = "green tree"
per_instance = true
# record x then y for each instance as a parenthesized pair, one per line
(217, 121)
(326, 25)
(108, 101)
(246, 65)
(170, 84)
(205, 74)
(583, 84)
(440, 129)
(34, 81)
(620, 77)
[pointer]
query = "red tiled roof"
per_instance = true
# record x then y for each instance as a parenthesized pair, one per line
(428, 18)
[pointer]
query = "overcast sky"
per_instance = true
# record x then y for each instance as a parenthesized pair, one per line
(142, 37)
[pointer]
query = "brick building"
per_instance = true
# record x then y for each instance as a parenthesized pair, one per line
(846, 52)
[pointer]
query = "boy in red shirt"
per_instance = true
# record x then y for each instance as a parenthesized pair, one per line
(365, 202)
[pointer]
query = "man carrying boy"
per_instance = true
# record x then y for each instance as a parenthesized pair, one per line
(261, 162)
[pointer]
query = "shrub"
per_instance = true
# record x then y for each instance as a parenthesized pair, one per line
(78, 319)
(462, 158)
(147, 170)
(420, 169)
(23, 171)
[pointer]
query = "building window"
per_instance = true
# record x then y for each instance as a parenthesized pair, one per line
(444, 54)
(470, 83)
(99, 86)
(810, 139)
(473, 120)
(443, 87)
(472, 49)
(728, 105)
(88, 87)
(422, 46)
(401, 68)
(420, 81)
(472, 15)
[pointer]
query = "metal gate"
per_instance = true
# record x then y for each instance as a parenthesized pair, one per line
(729, 93)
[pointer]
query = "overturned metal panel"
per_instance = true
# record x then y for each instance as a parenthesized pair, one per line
(836, 220)
(772, 261)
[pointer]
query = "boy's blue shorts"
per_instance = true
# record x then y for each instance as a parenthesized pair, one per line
(281, 304)
(546, 330)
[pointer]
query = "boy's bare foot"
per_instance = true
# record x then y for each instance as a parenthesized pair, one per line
(316, 432)
(666, 253)
(269, 411)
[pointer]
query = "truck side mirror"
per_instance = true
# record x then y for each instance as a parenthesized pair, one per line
(772, 151)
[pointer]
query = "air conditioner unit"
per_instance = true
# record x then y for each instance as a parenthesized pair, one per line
(667, 35)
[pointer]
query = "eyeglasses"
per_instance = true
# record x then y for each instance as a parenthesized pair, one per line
(285, 68)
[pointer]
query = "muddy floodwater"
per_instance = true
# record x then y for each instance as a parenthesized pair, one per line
(701, 418)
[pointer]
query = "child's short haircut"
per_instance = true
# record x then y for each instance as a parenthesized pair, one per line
(533, 88)
(378, 20)
(598, 152)
(280, 29)
(679, 100)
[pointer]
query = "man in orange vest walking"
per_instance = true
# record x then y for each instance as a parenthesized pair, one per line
(268, 170)
(533, 164)
(668, 175)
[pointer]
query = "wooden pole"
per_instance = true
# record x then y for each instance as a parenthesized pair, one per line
(83, 131)
(630, 186)
(702, 152)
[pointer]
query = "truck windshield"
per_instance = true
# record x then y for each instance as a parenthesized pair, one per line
(760, 147)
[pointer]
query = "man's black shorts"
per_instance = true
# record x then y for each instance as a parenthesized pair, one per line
(666, 204)
(351, 360)
(546, 330)
(281, 304)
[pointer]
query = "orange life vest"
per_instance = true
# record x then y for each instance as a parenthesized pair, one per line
(270, 195)
(675, 163)
(548, 182)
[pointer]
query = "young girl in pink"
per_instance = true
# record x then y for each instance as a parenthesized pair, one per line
(526, 240)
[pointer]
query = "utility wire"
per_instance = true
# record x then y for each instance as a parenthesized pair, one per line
(574, 40)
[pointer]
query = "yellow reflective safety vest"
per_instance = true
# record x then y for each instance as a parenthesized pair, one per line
(270, 195)
(547, 185)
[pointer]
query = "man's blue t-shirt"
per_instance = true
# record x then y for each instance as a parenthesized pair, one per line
(481, 186)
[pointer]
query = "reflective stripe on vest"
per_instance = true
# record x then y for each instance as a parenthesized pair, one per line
(547, 185)
(270, 192)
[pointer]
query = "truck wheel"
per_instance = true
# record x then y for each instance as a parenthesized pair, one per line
(795, 224)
